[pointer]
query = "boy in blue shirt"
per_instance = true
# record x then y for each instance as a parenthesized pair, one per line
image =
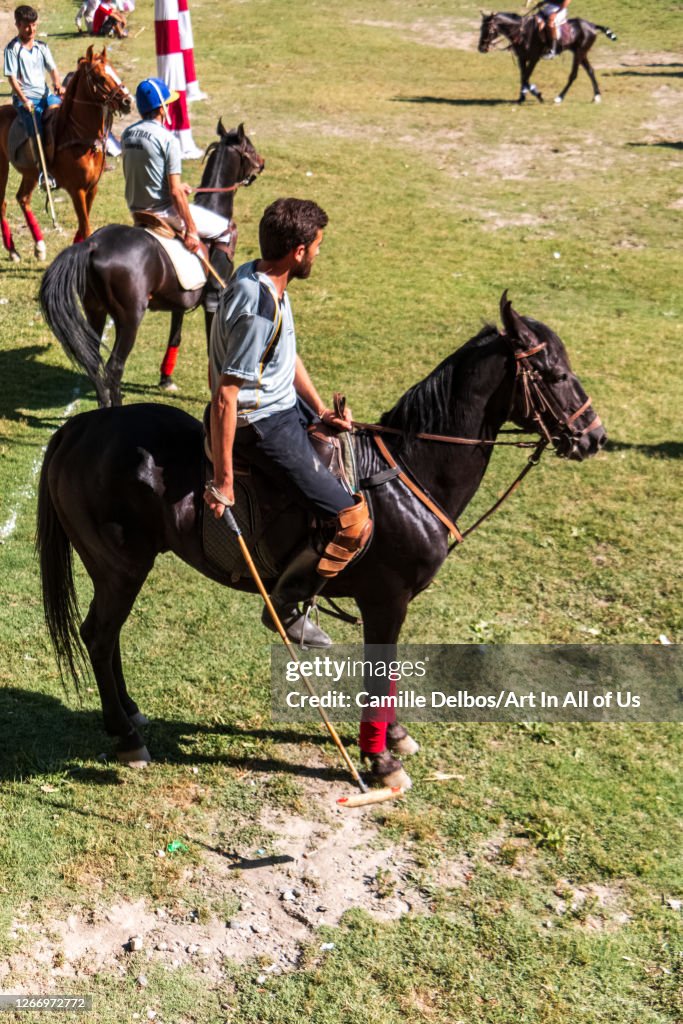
(27, 59)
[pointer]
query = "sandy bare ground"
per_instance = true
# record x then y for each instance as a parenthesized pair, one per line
(316, 871)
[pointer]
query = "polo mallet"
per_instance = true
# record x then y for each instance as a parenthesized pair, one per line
(366, 796)
(211, 270)
(43, 167)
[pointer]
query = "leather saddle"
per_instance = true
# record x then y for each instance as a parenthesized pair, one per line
(169, 232)
(258, 506)
(22, 148)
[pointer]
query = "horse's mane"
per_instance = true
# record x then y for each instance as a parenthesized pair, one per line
(428, 407)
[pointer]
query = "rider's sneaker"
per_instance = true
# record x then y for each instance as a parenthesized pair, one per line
(550, 54)
(298, 627)
(167, 383)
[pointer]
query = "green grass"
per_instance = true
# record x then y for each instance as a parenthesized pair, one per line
(439, 198)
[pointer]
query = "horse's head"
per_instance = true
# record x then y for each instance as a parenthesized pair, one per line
(489, 32)
(233, 154)
(548, 398)
(104, 85)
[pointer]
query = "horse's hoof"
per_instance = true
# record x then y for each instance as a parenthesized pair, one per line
(138, 758)
(138, 719)
(386, 770)
(558, 99)
(399, 741)
(14, 256)
(597, 98)
(40, 252)
(167, 384)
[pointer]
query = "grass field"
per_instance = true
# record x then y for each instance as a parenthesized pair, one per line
(543, 882)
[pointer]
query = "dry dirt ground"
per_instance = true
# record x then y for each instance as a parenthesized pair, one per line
(318, 869)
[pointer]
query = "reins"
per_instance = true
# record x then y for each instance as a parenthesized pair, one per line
(228, 188)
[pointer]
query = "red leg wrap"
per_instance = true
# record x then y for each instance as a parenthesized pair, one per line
(373, 726)
(33, 225)
(170, 359)
(7, 235)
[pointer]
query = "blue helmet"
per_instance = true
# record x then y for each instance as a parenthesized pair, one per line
(153, 93)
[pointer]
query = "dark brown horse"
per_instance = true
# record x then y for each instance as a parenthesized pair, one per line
(529, 44)
(76, 160)
(122, 271)
(122, 485)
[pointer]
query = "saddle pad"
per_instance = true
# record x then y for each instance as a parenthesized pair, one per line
(221, 546)
(22, 150)
(191, 273)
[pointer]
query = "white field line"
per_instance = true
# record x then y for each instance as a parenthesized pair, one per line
(27, 492)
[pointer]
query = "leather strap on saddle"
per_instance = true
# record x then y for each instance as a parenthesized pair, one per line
(354, 528)
(166, 227)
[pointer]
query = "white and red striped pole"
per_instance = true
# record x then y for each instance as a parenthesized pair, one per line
(192, 90)
(171, 69)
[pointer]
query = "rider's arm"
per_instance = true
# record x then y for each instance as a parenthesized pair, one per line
(179, 198)
(15, 86)
(223, 426)
(306, 389)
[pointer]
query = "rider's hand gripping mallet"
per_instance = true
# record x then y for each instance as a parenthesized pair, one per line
(366, 796)
(43, 166)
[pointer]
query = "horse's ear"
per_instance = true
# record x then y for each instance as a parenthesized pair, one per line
(513, 323)
(240, 132)
(88, 54)
(220, 130)
(103, 55)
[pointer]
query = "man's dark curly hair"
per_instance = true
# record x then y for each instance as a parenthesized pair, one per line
(25, 13)
(288, 223)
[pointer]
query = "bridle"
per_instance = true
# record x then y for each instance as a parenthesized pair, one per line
(538, 406)
(108, 98)
(252, 174)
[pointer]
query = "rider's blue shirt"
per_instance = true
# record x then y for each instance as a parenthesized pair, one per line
(29, 66)
(150, 154)
(244, 344)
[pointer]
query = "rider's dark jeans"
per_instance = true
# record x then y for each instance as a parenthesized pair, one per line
(279, 445)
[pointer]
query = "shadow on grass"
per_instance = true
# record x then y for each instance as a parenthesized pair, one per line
(44, 736)
(29, 384)
(655, 145)
(452, 102)
(661, 450)
(648, 74)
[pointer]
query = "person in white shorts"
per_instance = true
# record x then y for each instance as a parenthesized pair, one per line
(152, 168)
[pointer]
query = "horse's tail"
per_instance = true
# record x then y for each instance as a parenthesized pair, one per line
(54, 549)
(61, 296)
(608, 32)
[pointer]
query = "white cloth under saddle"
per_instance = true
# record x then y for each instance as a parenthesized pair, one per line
(191, 273)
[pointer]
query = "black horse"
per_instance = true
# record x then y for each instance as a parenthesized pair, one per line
(122, 271)
(528, 45)
(122, 485)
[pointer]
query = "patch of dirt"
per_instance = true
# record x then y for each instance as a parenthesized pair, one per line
(593, 907)
(444, 34)
(652, 61)
(314, 871)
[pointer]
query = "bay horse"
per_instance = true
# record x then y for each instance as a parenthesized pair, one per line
(122, 271)
(528, 45)
(122, 485)
(76, 160)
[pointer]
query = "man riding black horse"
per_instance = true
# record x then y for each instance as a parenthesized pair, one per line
(263, 400)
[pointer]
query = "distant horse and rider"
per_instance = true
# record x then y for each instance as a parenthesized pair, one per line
(530, 40)
(75, 135)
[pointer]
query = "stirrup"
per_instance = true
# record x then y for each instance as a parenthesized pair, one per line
(51, 181)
